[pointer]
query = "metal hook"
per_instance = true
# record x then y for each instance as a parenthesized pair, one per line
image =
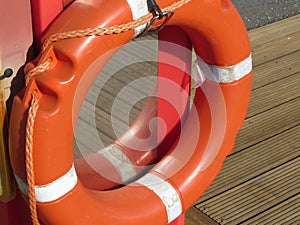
(7, 73)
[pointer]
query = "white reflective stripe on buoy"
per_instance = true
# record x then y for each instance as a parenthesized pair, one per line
(120, 162)
(221, 74)
(138, 8)
(54, 190)
(166, 192)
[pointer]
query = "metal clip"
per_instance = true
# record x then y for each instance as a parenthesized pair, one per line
(158, 14)
(154, 8)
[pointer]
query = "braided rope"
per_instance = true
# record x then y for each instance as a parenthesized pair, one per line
(29, 158)
(116, 29)
(99, 31)
(41, 68)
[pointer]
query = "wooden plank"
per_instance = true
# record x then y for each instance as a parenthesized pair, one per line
(87, 139)
(268, 124)
(257, 160)
(195, 217)
(134, 60)
(275, 70)
(275, 30)
(113, 87)
(94, 124)
(274, 94)
(129, 74)
(276, 48)
(100, 118)
(115, 106)
(112, 84)
(287, 212)
(255, 196)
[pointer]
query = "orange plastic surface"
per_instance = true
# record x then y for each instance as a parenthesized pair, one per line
(219, 37)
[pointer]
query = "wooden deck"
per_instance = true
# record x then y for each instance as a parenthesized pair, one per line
(260, 179)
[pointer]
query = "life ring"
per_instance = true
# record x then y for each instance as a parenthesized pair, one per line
(171, 187)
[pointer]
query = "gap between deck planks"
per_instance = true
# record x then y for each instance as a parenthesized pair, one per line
(259, 182)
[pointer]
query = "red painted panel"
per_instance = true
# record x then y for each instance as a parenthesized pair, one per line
(15, 212)
(178, 221)
(43, 13)
(174, 65)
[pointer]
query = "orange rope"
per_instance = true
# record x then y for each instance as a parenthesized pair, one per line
(116, 29)
(41, 68)
(29, 158)
(99, 31)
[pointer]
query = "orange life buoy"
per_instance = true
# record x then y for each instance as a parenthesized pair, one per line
(169, 188)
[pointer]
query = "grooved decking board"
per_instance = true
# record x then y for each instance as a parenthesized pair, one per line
(194, 217)
(258, 159)
(255, 196)
(274, 94)
(268, 124)
(270, 32)
(276, 48)
(275, 70)
(286, 212)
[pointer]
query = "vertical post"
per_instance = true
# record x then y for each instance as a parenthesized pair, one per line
(43, 13)
(15, 44)
(15, 212)
(174, 64)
